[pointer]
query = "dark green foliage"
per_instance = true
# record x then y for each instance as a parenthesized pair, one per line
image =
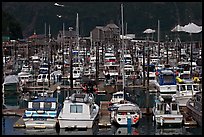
(138, 15)
(10, 27)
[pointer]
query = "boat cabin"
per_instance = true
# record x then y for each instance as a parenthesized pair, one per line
(167, 77)
(161, 107)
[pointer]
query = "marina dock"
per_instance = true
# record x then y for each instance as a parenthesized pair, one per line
(187, 119)
(13, 112)
(19, 124)
(104, 115)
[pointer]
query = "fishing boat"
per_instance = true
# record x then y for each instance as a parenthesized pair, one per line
(79, 111)
(42, 113)
(185, 92)
(166, 112)
(166, 83)
(194, 106)
(125, 113)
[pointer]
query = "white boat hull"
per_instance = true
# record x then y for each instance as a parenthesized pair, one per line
(182, 100)
(121, 116)
(49, 123)
(169, 119)
(75, 123)
(123, 121)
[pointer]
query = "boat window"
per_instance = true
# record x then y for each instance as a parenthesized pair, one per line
(177, 87)
(127, 72)
(168, 79)
(47, 105)
(159, 106)
(44, 76)
(174, 106)
(198, 98)
(118, 96)
(183, 88)
(195, 87)
(122, 113)
(189, 87)
(36, 105)
(75, 108)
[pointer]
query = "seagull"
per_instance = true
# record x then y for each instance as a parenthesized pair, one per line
(56, 4)
(59, 16)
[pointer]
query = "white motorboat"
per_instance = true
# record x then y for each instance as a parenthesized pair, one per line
(166, 83)
(163, 116)
(185, 92)
(79, 111)
(125, 113)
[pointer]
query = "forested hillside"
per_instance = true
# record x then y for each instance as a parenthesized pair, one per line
(138, 15)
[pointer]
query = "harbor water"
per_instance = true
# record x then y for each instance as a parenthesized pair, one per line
(146, 125)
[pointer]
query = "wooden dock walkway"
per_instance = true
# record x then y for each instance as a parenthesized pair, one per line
(104, 114)
(13, 112)
(19, 123)
(187, 119)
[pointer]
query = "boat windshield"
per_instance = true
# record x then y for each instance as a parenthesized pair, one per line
(189, 87)
(47, 105)
(185, 76)
(36, 105)
(76, 109)
(118, 96)
(168, 79)
(125, 112)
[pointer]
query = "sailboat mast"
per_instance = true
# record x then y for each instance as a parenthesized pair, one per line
(123, 60)
(77, 35)
(158, 38)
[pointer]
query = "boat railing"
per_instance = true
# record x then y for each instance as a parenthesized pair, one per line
(82, 97)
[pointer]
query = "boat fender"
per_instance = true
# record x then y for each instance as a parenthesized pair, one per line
(161, 120)
(135, 119)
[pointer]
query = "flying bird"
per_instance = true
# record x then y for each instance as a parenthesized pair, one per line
(59, 16)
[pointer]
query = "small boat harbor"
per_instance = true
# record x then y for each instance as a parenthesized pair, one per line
(73, 82)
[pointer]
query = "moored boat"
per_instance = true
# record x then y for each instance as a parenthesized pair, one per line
(166, 112)
(125, 113)
(166, 83)
(185, 92)
(42, 113)
(79, 111)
